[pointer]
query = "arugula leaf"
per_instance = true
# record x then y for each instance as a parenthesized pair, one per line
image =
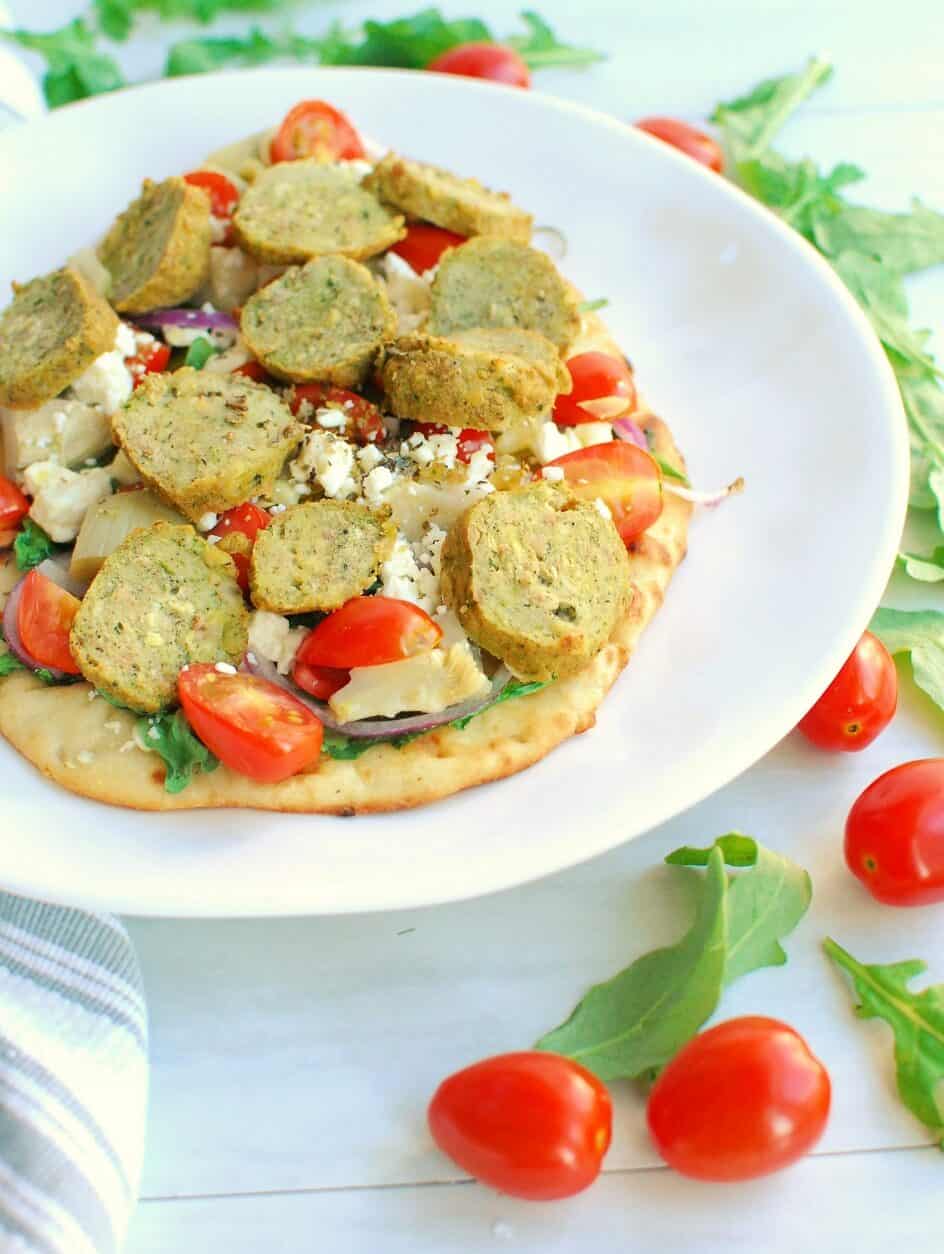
(342, 747)
(169, 736)
(75, 67)
(750, 122)
(199, 353)
(540, 47)
(407, 42)
(881, 293)
(796, 190)
(199, 56)
(588, 306)
(917, 1021)
(903, 242)
(925, 567)
(670, 471)
(920, 633)
(636, 1021)
(9, 663)
(514, 688)
(31, 545)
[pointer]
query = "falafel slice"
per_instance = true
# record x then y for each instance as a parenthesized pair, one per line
(163, 599)
(158, 251)
(502, 283)
(537, 578)
(318, 555)
(489, 379)
(322, 322)
(50, 333)
(458, 204)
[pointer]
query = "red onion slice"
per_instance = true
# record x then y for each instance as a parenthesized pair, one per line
(626, 429)
(709, 499)
(194, 318)
(11, 632)
(379, 728)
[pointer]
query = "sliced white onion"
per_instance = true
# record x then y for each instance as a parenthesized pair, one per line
(708, 499)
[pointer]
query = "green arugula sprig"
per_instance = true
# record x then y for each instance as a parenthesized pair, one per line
(32, 545)
(169, 736)
(920, 633)
(634, 1023)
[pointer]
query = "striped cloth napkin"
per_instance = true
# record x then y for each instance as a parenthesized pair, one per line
(73, 1079)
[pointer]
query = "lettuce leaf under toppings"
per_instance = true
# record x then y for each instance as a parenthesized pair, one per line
(169, 736)
(32, 545)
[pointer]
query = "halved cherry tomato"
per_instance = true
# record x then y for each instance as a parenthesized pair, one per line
(688, 139)
(741, 1100)
(14, 506)
(313, 128)
(860, 702)
(364, 423)
(224, 195)
(470, 439)
(530, 1124)
(895, 835)
(243, 521)
(320, 681)
(253, 726)
(423, 245)
(626, 478)
(254, 370)
(496, 62)
(369, 631)
(595, 376)
(150, 359)
(44, 620)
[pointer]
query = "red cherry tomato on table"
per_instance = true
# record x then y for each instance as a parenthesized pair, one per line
(149, 359)
(530, 1124)
(253, 726)
(595, 376)
(423, 245)
(495, 62)
(626, 478)
(469, 439)
(14, 506)
(319, 681)
(364, 423)
(688, 139)
(860, 702)
(313, 128)
(224, 195)
(895, 835)
(44, 619)
(369, 631)
(741, 1100)
(245, 521)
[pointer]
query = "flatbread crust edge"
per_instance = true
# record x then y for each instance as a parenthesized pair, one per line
(88, 746)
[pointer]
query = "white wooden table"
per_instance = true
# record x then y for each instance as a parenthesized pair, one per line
(292, 1061)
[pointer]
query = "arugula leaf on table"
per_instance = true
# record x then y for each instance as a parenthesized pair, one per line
(917, 1021)
(925, 567)
(116, 17)
(920, 633)
(903, 242)
(31, 545)
(540, 48)
(200, 56)
(169, 736)
(406, 42)
(881, 293)
(76, 68)
(750, 122)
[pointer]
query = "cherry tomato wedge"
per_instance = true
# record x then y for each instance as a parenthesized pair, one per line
(624, 477)
(150, 359)
(860, 702)
(688, 139)
(253, 726)
(237, 530)
(423, 245)
(44, 619)
(531, 1124)
(369, 631)
(320, 681)
(254, 370)
(363, 424)
(313, 128)
(741, 1100)
(14, 506)
(595, 376)
(469, 439)
(224, 195)
(895, 835)
(495, 62)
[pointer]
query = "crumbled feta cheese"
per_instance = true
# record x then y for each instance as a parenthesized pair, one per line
(554, 473)
(224, 668)
(480, 468)
(272, 637)
(602, 508)
(590, 433)
(375, 483)
(207, 521)
(409, 293)
(399, 574)
(411, 572)
(426, 449)
(125, 340)
(330, 460)
(332, 419)
(368, 457)
(551, 441)
(61, 497)
(107, 382)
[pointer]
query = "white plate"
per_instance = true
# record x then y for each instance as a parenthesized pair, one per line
(742, 338)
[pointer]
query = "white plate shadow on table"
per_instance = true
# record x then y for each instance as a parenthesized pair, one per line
(743, 339)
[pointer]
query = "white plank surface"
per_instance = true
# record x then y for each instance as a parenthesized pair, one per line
(292, 1060)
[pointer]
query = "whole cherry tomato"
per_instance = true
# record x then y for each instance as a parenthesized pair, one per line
(369, 631)
(530, 1124)
(423, 245)
(44, 619)
(362, 419)
(895, 835)
(741, 1100)
(626, 478)
(688, 139)
(313, 128)
(496, 62)
(470, 440)
(595, 377)
(860, 702)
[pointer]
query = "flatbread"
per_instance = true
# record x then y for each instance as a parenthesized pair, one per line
(77, 739)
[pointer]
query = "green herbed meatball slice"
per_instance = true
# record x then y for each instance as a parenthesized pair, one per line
(480, 378)
(163, 599)
(501, 283)
(318, 555)
(537, 578)
(297, 210)
(158, 250)
(322, 322)
(206, 442)
(50, 333)
(458, 204)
